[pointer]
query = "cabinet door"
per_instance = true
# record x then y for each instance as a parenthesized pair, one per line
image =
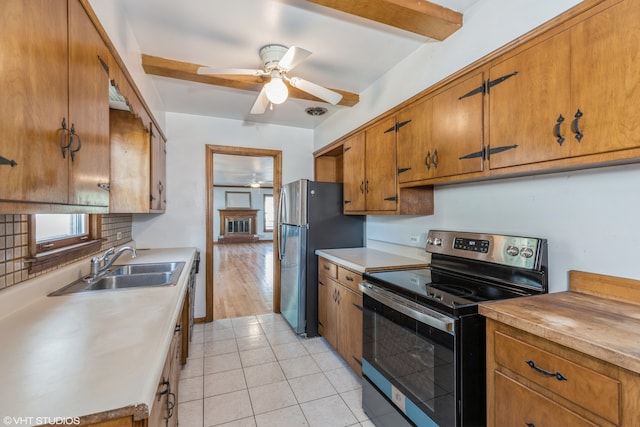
(538, 410)
(457, 128)
(350, 327)
(605, 83)
(528, 110)
(380, 167)
(88, 110)
(354, 178)
(33, 69)
(158, 170)
(129, 164)
(414, 142)
(331, 327)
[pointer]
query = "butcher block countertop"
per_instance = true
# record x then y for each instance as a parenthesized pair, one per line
(598, 316)
(91, 355)
(364, 260)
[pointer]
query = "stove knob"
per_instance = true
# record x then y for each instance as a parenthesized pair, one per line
(512, 250)
(437, 241)
(438, 297)
(526, 252)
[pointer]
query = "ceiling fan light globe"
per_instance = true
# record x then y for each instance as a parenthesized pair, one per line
(277, 91)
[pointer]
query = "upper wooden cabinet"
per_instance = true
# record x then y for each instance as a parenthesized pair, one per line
(570, 95)
(158, 197)
(380, 167)
(370, 170)
(354, 173)
(442, 135)
(55, 128)
(414, 143)
(137, 165)
(457, 127)
(529, 102)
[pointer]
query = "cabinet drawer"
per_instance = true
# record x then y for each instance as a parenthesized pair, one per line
(517, 405)
(350, 279)
(327, 268)
(587, 388)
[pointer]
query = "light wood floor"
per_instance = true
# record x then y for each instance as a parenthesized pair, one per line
(243, 279)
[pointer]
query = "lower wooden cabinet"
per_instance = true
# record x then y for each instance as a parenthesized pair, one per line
(534, 382)
(340, 311)
(165, 406)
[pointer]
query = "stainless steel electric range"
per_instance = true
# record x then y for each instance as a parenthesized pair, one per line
(423, 358)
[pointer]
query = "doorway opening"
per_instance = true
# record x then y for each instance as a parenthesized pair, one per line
(240, 223)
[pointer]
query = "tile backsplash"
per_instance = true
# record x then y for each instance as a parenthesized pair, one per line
(14, 244)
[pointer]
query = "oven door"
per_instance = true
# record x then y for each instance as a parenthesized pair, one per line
(408, 357)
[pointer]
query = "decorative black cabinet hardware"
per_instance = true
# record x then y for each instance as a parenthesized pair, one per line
(5, 161)
(400, 170)
(575, 125)
(474, 155)
(556, 129)
(558, 375)
(496, 150)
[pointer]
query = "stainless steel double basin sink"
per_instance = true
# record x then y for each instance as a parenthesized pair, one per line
(126, 277)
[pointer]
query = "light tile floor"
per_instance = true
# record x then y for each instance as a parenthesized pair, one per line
(254, 371)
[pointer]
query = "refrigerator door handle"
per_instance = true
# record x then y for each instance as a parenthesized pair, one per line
(279, 221)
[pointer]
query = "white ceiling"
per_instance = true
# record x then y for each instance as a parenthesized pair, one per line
(234, 170)
(348, 53)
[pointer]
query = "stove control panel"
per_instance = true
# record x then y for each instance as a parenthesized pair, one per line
(515, 251)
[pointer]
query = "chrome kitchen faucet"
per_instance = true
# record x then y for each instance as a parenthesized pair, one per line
(100, 264)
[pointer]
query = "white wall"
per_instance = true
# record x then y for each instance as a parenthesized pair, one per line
(184, 222)
(257, 201)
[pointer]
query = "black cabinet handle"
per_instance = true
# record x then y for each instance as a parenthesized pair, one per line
(427, 160)
(530, 424)
(349, 278)
(362, 187)
(5, 161)
(575, 126)
(72, 134)
(546, 373)
(556, 130)
(64, 138)
(435, 158)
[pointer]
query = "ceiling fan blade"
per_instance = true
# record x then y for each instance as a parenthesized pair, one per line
(316, 90)
(223, 71)
(261, 104)
(293, 57)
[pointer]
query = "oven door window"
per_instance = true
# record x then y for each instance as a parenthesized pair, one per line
(417, 359)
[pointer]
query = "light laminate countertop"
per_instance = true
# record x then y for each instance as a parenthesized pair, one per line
(365, 260)
(97, 353)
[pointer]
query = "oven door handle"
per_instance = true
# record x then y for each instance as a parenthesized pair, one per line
(409, 308)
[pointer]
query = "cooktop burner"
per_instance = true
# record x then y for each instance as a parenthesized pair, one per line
(438, 289)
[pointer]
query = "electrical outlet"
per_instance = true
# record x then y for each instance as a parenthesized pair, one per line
(414, 239)
(118, 235)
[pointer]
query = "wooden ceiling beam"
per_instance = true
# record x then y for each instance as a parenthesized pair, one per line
(186, 71)
(417, 16)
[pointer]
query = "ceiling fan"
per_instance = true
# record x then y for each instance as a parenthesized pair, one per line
(277, 61)
(255, 183)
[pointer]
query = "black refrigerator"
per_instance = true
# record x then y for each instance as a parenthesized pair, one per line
(310, 217)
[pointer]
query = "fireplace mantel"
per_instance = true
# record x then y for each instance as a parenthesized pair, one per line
(238, 225)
